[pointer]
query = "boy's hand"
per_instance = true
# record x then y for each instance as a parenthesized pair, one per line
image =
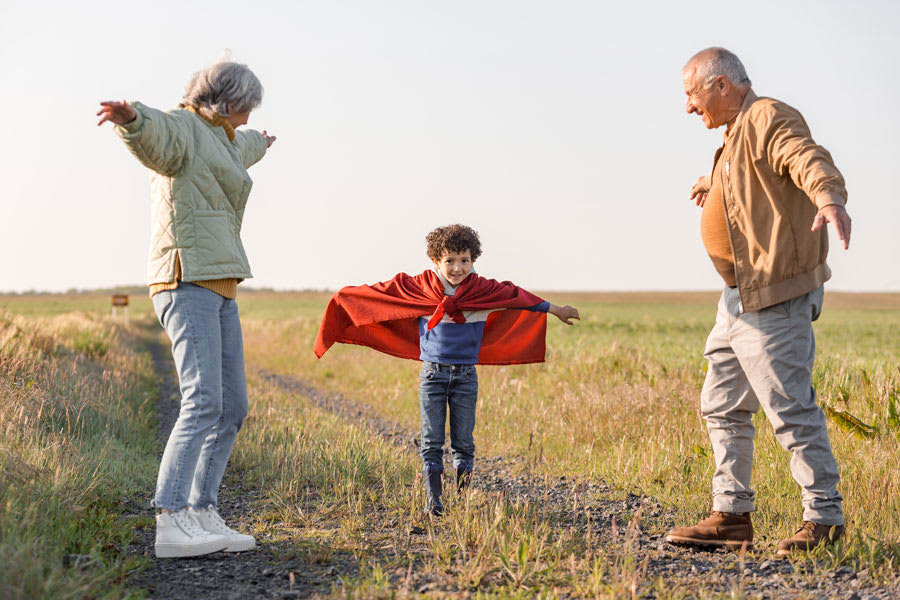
(564, 313)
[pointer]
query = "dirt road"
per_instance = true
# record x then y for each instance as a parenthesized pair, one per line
(278, 570)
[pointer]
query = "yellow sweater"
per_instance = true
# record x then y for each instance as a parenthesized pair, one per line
(227, 288)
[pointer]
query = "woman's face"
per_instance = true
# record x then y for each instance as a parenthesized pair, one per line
(237, 118)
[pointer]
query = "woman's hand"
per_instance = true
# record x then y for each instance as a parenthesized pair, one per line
(270, 139)
(564, 313)
(119, 113)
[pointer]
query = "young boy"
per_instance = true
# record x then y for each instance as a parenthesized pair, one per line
(449, 318)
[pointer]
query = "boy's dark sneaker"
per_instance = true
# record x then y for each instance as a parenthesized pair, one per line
(719, 529)
(433, 493)
(462, 479)
(809, 536)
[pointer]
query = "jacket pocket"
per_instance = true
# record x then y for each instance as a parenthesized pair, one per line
(215, 237)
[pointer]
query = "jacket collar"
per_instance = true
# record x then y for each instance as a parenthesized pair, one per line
(216, 120)
(749, 99)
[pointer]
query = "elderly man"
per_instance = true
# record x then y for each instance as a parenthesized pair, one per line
(766, 204)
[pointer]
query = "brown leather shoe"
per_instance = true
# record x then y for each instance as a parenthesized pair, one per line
(809, 536)
(731, 530)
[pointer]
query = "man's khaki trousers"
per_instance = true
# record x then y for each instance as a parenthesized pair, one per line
(765, 358)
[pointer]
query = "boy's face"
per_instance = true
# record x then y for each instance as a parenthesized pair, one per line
(455, 266)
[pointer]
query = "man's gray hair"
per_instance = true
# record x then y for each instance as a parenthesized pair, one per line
(222, 86)
(712, 62)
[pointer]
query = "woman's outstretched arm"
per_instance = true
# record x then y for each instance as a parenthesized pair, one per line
(159, 140)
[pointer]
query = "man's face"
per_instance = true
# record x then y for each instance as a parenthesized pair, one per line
(705, 100)
(455, 266)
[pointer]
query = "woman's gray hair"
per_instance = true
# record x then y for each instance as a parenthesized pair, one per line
(222, 86)
(712, 62)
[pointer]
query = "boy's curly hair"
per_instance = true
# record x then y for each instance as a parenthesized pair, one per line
(453, 238)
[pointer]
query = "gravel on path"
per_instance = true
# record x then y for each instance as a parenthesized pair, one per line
(273, 569)
(589, 505)
(261, 573)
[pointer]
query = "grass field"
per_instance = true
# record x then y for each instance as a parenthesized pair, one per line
(77, 446)
(616, 403)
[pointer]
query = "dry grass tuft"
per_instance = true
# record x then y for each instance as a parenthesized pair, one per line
(76, 436)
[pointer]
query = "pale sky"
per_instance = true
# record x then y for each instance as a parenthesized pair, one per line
(556, 129)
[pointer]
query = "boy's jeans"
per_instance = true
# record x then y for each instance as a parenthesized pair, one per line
(207, 346)
(440, 386)
(765, 358)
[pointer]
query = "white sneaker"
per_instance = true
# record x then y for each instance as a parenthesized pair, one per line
(178, 534)
(209, 520)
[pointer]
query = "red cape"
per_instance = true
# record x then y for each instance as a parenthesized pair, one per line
(384, 316)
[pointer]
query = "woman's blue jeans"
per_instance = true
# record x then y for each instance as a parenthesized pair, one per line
(440, 387)
(208, 349)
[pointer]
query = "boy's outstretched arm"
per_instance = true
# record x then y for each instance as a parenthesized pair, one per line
(564, 313)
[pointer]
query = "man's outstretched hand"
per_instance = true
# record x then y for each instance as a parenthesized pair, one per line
(836, 215)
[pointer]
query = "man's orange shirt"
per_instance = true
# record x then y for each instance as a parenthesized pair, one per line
(714, 229)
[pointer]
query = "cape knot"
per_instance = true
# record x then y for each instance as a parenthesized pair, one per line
(446, 307)
(451, 310)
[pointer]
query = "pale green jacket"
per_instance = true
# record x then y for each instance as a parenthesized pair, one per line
(199, 189)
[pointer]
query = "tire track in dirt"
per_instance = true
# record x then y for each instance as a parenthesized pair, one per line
(565, 499)
(584, 506)
(266, 573)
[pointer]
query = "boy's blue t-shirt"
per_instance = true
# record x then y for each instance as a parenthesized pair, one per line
(457, 343)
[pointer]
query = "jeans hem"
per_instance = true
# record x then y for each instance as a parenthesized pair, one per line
(432, 467)
(468, 465)
(733, 506)
(159, 507)
(822, 519)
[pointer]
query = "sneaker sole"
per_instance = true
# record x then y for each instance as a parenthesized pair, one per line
(730, 544)
(240, 546)
(183, 551)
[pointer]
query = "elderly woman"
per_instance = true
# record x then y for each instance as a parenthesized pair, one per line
(199, 187)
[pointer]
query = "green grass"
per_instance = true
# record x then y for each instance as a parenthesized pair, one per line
(77, 438)
(335, 488)
(617, 402)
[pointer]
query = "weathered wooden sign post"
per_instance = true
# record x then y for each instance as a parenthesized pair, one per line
(117, 301)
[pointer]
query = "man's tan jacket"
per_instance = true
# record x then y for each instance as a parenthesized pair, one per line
(775, 178)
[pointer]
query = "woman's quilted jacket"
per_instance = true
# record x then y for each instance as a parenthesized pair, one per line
(199, 188)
